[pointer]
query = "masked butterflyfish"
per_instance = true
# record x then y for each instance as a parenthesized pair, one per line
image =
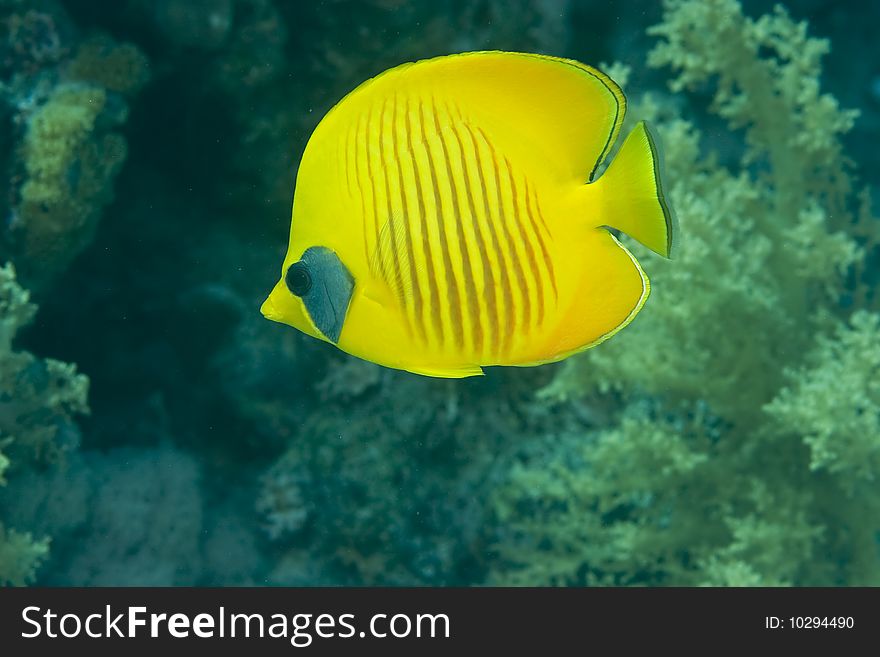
(448, 215)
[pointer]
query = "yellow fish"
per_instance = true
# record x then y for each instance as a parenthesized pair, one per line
(446, 216)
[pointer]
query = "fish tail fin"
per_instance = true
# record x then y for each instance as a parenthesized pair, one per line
(632, 196)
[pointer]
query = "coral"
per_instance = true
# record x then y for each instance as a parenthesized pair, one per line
(32, 37)
(20, 556)
(663, 501)
(100, 61)
(758, 251)
(833, 401)
(66, 100)
(282, 501)
(38, 398)
(767, 81)
(37, 401)
(68, 167)
(390, 490)
(751, 463)
(349, 380)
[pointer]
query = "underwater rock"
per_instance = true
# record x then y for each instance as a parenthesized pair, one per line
(283, 65)
(233, 554)
(261, 374)
(254, 55)
(195, 23)
(390, 489)
(264, 374)
(135, 516)
(144, 522)
(300, 567)
(349, 379)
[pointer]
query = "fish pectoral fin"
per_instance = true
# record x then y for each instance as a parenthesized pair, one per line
(452, 372)
(390, 260)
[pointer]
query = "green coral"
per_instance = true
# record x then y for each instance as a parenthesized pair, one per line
(37, 401)
(55, 133)
(735, 459)
(59, 117)
(118, 67)
(767, 81)
(20, 556)
(37, 396)
(758, 253)
(660, 500)
(842, 429)
(68, 166)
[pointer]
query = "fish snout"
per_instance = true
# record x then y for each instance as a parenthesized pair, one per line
(270, 310)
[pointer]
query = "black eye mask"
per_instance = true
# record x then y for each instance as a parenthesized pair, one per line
(325, 286)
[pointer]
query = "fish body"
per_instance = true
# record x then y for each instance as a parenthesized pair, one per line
(444, 219)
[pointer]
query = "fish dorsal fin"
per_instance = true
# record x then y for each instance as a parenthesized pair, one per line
(565, 111)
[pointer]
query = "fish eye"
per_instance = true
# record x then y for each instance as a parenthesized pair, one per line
(298, 279)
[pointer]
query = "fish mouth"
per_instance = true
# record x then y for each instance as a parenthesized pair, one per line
(270, 310)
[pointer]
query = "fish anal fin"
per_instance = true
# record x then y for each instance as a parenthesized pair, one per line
(613, 288)
(446, 372)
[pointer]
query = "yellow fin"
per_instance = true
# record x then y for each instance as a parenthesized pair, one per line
(632, 195)
(568, 112)
(626, 316)
(390, 260)
(448, 372)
